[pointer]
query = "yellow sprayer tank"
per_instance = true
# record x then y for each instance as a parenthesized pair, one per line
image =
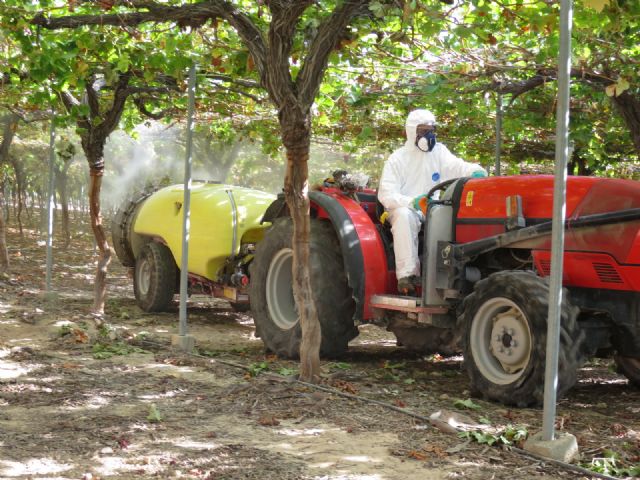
(222, 218)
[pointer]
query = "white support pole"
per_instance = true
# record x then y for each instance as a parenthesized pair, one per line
(559, 213)
(186, 204)
(51, 204)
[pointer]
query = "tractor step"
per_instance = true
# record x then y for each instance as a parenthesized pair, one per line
(395, 300)
(405, 304)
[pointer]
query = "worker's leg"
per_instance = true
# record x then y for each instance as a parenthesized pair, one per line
(405, 226)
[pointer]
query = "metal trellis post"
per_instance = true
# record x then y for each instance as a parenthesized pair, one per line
(559, 213)
(51, 205)
(186, 205)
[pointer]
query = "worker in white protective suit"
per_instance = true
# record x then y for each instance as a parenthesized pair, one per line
(409, 173)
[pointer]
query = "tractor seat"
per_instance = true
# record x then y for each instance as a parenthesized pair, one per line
(382, 214)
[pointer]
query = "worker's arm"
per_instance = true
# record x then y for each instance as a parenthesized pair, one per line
(391, 184)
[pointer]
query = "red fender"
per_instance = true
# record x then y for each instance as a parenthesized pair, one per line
(363, 250)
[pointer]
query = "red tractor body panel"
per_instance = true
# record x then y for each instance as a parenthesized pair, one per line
(604, 256)
(591, 270)
(484, 198)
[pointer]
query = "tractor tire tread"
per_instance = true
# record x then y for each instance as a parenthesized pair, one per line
(629, 367)
(531, 293)
(162, 279)
(331, 293)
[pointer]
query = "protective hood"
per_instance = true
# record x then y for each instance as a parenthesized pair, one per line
(415, 118)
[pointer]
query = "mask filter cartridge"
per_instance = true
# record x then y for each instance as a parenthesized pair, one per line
(426, 141)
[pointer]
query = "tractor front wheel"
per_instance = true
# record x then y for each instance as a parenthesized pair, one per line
(271, 291)
(154, 280)
(505, 325)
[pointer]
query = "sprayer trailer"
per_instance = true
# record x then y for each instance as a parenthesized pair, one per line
(486, 251)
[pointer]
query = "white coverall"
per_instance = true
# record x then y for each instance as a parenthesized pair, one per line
(410, 172)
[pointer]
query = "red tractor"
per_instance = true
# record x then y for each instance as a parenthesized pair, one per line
(486, 255)
(485, 262)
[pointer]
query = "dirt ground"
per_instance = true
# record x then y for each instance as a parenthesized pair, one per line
(80, 402)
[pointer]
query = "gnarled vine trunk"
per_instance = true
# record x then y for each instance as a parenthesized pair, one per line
(629, 108)
(64, 201)
(62, 177)
(219, 157)
(4, 252)
(104, 251)
(10, 124)
(19, 175)
(96, 128)
(93, 146)
(296, 135)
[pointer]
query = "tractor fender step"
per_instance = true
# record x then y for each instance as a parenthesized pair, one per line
(405, 304)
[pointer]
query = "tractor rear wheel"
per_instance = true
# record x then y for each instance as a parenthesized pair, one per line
(630, 368)
(154, 280)
(505, 338)
(271, 292)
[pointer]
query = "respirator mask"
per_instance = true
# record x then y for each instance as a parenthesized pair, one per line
(426, 137)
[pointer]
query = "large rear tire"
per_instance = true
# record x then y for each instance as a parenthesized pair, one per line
(154, 280)
(123, 237)
(271, 292)
(630, 368)
(505, 338)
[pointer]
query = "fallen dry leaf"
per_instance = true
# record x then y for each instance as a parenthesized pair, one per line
(123, 442)
(345, 386)
(268, 421)
(80, 336)
(436, 450)
(417, 455)
(618, 429)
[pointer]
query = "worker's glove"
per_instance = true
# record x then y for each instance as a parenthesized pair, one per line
(421, 203)
(479, 174)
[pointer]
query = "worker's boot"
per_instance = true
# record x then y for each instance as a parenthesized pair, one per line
(407, 285)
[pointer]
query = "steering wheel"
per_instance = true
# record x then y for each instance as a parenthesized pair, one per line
(440, 187)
